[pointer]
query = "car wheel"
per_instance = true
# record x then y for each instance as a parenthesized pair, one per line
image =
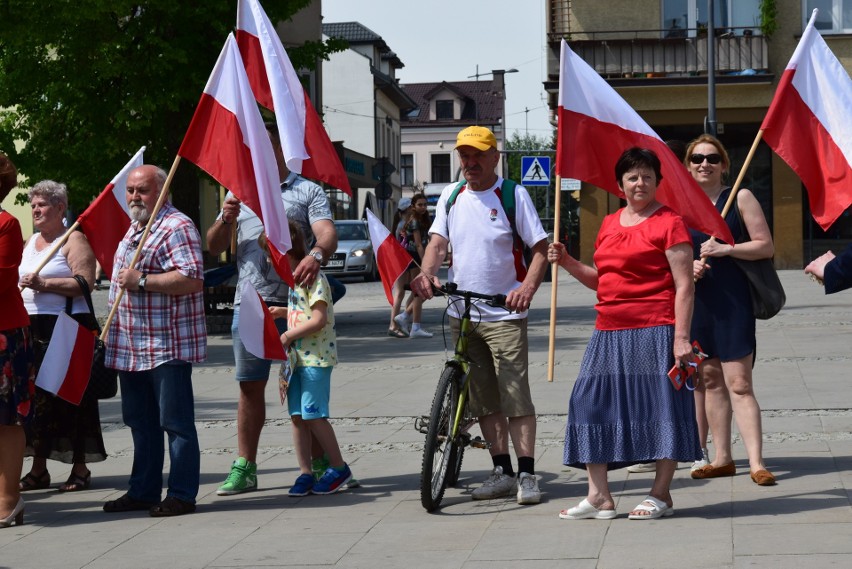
(373, 275)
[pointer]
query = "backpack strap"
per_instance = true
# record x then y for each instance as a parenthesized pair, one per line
(460, 187)
(506, 193)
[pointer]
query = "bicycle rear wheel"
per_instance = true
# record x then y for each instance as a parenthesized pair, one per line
(440, 455)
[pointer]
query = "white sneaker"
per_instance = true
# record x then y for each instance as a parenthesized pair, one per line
(528, 492)
(705, 460)
(402, 321)
(498, 485)
(643, 467)
(419, 333)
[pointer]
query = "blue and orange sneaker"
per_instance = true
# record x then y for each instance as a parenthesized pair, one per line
(332, 481)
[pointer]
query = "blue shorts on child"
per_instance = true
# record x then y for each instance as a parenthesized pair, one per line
(309, 392)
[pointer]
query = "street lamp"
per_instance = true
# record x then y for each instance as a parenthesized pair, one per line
(499, 90)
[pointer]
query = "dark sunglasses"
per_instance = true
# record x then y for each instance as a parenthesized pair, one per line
(699, 158)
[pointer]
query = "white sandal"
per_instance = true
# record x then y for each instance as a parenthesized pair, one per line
(586, 511)
(655, 508)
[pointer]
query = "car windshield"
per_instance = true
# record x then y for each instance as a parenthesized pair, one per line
(351, 232)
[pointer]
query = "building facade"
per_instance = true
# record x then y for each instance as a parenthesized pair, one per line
(654, 53)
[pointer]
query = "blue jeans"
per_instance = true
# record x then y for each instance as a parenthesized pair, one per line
(154, 401)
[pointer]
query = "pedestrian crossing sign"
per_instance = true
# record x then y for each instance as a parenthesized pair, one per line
(536, 170)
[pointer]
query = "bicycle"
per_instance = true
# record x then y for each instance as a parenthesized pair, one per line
(446, 427)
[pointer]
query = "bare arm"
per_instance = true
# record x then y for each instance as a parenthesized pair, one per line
(326, 242)
(585, 275)
(317, 321)
(760, 246)
(81, 260)
(173, 282)
(436, 252)
(219, 234)
(680, 262)
(521, 298)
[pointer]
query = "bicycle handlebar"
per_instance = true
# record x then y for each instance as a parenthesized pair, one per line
(449, 288)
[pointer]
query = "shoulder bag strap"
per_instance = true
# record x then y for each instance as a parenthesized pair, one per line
(84, 287)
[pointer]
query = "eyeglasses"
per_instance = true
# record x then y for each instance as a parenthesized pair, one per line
(711, 158)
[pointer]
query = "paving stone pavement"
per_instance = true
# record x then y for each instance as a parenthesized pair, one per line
(382, 384)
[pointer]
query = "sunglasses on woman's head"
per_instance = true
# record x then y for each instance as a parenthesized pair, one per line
(711, 158)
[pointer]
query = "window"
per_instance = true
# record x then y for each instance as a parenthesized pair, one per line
(441, 169)
(683, 17)
(406, 169)
(444, 109)
(835, 16)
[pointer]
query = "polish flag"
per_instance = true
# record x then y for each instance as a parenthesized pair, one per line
(391, 258)
(106, 220)
(304, 141)
(809, 125)
(228, 140)
(257, 327)
(67, 362)
(596, 126)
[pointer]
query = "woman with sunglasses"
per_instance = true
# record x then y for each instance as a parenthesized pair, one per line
(722, 322)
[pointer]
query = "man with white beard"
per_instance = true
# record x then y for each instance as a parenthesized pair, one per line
(158, 332)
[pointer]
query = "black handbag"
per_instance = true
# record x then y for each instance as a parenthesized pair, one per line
(767, 294)
(103, 381)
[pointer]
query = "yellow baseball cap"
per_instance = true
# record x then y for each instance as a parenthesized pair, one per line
(479, 137)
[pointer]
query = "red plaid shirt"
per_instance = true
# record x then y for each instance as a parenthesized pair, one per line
(152, 328)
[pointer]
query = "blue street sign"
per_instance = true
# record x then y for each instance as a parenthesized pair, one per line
(535, 170)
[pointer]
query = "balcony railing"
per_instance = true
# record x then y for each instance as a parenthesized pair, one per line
(613, 55)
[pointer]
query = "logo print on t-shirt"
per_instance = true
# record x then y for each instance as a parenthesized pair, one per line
(493, 214)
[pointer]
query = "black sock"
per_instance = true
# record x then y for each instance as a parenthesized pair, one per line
(505, 462)
(526, 464)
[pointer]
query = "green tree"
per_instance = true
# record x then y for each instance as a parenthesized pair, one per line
(84, 84)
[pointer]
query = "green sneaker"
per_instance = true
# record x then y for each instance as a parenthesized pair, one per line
(243, 478)
(319, 466)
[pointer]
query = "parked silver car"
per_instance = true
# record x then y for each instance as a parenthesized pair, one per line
(354, 256)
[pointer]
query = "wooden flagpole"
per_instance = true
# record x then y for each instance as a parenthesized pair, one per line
(739, 181)
(554, 274)
(160, 201)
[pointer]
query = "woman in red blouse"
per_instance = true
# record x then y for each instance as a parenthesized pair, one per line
(17, 380)
(624, 410)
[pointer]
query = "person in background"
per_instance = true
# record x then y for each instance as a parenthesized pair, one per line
(17, 382)
(158, 332)
(306, 203)
(488, 259)
(723, 322)
(60, 431)
(624, 409)
(414, 226)
(395, 330)
(311, 341)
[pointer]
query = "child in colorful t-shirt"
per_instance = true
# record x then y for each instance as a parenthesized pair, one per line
(310, 332)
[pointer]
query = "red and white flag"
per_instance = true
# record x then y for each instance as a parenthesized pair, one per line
(257, 327)
(304, 141)
(228, 140)
(809, 125)
(391, 258)
(596, 126)
(106, 220)
(67, 362)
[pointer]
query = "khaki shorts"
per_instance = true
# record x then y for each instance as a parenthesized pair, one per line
(499, 375)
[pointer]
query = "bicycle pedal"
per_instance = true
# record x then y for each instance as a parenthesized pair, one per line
(421, 424)
(479, 442)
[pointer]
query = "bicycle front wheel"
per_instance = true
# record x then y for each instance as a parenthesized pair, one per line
(439, 452)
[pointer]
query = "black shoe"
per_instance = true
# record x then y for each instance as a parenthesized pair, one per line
(127, 504)
(171, 506)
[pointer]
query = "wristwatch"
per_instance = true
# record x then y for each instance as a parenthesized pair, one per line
(316, 255)
(142, 280)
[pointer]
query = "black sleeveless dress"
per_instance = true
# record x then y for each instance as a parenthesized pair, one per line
(723, 322)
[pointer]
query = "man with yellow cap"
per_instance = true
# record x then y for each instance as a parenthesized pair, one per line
(488, 258)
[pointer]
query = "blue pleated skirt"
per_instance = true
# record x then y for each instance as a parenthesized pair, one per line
(624, 409)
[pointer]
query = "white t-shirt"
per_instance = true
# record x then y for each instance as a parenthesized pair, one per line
(481, 236)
